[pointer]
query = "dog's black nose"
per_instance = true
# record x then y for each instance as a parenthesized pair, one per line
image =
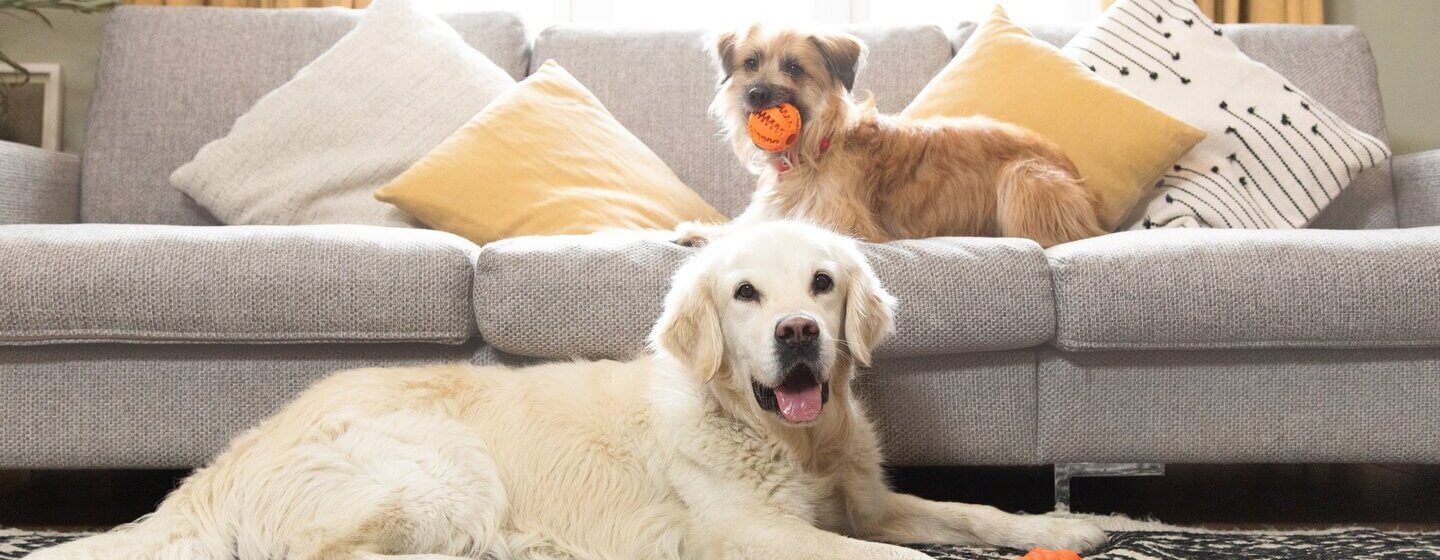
(797, 331)
(759, 97)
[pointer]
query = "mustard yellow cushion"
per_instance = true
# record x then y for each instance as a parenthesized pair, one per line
(544, 158)
(1120, 143)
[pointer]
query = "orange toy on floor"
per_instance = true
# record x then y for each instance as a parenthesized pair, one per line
(776, 128)
(1047, 554)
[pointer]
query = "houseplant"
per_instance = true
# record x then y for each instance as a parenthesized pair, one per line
(35, 9)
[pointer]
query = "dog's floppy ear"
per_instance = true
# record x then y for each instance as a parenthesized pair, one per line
(689, 327)
(844, 55)
(722, 49)
(869, 310)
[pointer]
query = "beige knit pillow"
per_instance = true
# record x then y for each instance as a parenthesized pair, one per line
(315, 149)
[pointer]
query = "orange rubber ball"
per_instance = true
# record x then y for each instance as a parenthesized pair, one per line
(1047, 554)
(776, 128)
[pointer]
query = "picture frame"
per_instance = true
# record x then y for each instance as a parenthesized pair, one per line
(33, 116)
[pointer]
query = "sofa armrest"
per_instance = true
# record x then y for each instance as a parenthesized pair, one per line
(1417, 188)
(38, 186)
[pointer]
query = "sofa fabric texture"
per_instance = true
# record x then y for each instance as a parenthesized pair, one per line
(597, 296)
(37, 186)
(167, 406)
(1234, 406)
(314, 150)
(175, 406)
(1248, 289)
(136, 139)
(240, 284)
(669, 108)
(1417, 188)
(978, 408)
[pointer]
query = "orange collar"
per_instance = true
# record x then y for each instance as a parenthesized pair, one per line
(782, 161)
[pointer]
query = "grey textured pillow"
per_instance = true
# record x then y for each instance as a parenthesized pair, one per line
(314, 150)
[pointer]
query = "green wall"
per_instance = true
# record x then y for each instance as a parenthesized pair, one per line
(1402, 32)
(1404, 36)
(74, 43)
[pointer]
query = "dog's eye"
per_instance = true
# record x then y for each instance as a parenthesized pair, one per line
(822, 283)
(746, 292)
(752, 63)
(793, 69)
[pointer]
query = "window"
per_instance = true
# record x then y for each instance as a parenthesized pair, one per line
(727, 13)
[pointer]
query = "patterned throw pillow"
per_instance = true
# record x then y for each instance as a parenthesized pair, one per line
(1273, 157)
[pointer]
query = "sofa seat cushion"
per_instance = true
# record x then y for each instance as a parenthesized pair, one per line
(1249, 289)
(596, 296)
(135, 283)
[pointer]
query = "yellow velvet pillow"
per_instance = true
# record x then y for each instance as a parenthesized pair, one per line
(544, 158)
(1120, 143)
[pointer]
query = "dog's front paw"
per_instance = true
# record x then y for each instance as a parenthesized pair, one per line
(1056, 532)
(695, 234)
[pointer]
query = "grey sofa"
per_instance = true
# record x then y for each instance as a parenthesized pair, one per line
(136, 333)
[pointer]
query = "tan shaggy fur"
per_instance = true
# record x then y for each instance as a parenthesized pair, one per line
(886, 177)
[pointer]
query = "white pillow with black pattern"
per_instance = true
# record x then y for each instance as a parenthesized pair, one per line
(1272, 157)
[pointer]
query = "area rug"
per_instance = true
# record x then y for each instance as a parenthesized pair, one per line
(1129, 540)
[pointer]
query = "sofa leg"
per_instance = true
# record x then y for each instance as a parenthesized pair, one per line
(1066, 471)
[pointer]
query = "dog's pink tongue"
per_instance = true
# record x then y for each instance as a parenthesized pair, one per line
(799, 405)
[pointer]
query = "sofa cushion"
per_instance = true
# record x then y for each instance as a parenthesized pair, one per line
(1204, 289)
(1117, 142)
(315, 149)
(1239, 406)
(659, 84)
(131, 406)
(133, 283)
(212, 64)
(1333, 64)
(596, 296)
(37, 186)
(1273, 157)
(544, 158)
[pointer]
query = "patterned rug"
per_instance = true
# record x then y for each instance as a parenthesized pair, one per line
(1178, 544)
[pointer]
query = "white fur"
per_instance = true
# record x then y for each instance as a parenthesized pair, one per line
(666, 456)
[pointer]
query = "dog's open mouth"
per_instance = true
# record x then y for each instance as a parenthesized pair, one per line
(798, 398)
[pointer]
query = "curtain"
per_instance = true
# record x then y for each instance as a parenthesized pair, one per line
(255, 3)
(1258, 11)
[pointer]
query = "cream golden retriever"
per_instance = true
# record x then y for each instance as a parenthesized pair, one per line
(738, 436)
(881, 177)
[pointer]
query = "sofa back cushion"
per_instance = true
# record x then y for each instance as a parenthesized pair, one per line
(173, 79)
(1333, 64)
(659, 84)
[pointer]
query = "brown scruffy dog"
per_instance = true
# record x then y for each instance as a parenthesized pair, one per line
(881, 177)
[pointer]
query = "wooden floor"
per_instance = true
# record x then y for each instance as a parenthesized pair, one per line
(1403, 497)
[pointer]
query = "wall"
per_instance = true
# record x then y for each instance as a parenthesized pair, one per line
(1407, 49)
(1402, 32)
(74, 43)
